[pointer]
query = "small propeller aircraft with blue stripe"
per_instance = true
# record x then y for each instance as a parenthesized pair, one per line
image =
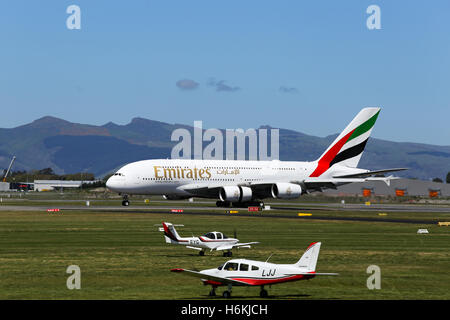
(212, 240)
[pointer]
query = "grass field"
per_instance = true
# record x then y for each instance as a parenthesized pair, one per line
(124, 256)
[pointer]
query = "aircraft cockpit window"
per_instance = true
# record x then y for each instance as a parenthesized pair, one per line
(118, 174)
(243, 267)
(231, 266)
(219, 235)
(220, 267)
(254, 268)
(210, 235)
(224, 236)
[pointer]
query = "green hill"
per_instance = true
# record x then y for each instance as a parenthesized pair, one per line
(68, 147)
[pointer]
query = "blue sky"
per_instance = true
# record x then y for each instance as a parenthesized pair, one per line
(309, 66)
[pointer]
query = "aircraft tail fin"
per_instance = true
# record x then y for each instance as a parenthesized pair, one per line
(170, 234)
(308, 261)
(348, 147)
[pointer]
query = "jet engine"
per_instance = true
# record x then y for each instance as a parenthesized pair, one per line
(246, 194)
(235, 194)
(286, 190)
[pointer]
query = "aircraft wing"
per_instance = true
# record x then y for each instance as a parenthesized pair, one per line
(332, 183)
(236, 245)
(369, 173)
(326, 274)
(203, 276)
(202, 190)
(312, 183)
(195, 248)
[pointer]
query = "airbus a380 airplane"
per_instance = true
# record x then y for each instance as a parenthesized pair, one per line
(243, 183)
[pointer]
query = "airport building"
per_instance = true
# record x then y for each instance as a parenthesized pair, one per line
(397, 188)
(4, 186)
(48, 185)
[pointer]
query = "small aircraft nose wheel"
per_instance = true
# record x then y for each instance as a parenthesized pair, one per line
(263, 293)
(226, 294)
(227, 254)
(201, 253)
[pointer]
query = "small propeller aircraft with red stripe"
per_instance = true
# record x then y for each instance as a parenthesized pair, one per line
(242, 272)
(212, 240)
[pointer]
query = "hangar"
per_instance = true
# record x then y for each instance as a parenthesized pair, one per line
(4, 186)
(48, 185)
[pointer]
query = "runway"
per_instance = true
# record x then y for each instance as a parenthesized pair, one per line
(371, 207)
(277, 211)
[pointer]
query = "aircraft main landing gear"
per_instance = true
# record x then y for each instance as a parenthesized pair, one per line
(223, 204)
(263, 293)
(248, 204)
(227, 293)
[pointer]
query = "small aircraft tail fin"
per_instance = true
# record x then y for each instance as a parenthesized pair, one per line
(308, 261)
(170, 234)
(348, 147)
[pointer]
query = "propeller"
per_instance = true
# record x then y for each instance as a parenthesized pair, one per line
(235, 234)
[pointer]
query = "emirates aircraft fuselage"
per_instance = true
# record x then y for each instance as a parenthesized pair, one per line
(168, 177)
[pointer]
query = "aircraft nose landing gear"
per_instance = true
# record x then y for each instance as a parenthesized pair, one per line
(125, 201)
(212, 293)
(228, 253)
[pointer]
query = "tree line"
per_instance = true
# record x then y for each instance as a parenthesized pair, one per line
(447, 178)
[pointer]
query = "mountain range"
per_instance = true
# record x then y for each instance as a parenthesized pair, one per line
(68, 147)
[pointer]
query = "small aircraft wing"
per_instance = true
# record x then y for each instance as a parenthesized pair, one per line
(236, 245)
(195, 248)
(326, 274)
(203, 276)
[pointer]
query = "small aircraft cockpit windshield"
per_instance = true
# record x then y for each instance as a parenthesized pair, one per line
(215, 235)
(210, 235)
(231, 266)
(118, 174)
